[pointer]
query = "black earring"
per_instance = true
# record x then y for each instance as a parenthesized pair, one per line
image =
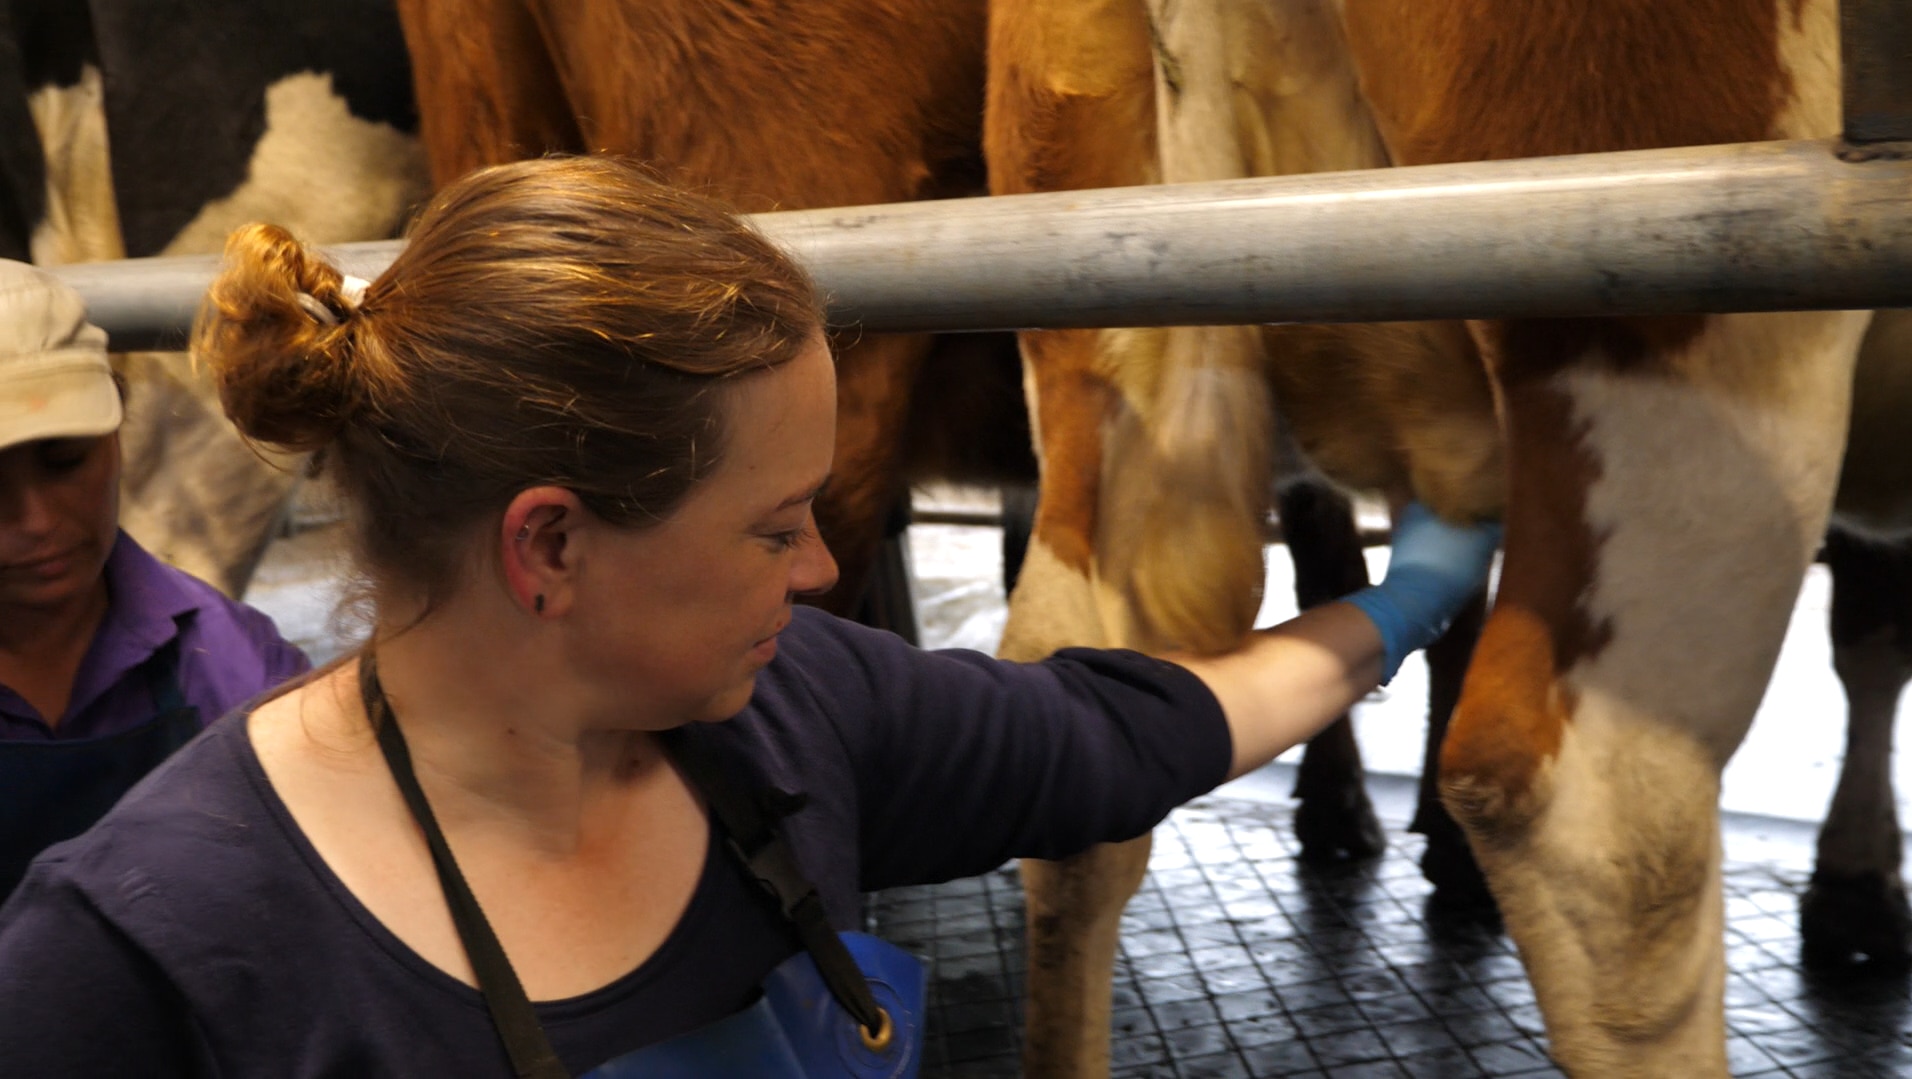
(538, 603)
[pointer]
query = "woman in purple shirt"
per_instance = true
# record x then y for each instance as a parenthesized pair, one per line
(109, 660)
(595, 798)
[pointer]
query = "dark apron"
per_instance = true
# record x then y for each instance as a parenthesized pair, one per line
(849, 1006)
(50, 791)
(797, 1029)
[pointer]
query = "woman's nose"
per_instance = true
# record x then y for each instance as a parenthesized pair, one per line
(24, 508)
(815, 568)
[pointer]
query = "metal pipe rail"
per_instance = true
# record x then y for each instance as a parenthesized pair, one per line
(1746, 227)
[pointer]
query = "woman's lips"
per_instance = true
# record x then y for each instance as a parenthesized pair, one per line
(766, 650)
(47, 567)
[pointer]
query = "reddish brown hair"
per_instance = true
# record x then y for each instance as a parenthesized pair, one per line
(565, 321)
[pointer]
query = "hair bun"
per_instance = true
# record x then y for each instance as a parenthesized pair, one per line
(277, 330)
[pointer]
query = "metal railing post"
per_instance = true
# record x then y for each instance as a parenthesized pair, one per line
(1875, 45)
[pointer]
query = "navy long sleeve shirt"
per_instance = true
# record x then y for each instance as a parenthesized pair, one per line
(195, 931)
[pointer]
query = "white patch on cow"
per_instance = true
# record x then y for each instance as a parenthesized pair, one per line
(1712, 496)
(1615, 898)
(1052, 608)
(1187, 459)
(1809, 53)
(82, 220)
(1259, 89)
(326, 174)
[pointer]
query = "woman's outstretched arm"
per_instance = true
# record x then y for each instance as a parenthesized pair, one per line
(1289, 681)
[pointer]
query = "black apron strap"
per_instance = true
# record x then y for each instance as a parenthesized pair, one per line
(530, 1051)
(753, 837)
(750, 832)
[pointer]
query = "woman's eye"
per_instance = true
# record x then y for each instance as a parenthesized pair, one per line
(789, 538)
(64, 456)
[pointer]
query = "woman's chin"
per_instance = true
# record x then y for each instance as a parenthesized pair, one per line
(726, 705)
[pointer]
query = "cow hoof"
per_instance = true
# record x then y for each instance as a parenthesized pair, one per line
(1341, 828)
(1459, 886)
(1855, 922)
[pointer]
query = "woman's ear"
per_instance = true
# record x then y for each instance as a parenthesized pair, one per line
(537, 552)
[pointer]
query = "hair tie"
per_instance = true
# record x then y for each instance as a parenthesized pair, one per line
(351, 294)
(310, 305)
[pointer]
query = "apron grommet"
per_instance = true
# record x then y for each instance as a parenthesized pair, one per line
(878, 1042)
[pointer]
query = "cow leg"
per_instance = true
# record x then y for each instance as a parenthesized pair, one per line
(1448, 862)
(1071, 105)
(1335, 820)
(969, 423)
(1155, 451)
(1018, 523)
(887, 602)
(1670, 481)
(1074, 906)
(1856, 905)
(1074, 922)
(874, 379)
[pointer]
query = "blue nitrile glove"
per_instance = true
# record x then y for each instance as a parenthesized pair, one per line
(1435, 569)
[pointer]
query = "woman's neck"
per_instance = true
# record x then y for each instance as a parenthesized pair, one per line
(497, 741)
(41, 648)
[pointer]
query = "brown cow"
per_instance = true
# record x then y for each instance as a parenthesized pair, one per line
(842, 102)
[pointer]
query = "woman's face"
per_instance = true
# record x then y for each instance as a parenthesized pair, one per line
(59, 515)
(682, 616)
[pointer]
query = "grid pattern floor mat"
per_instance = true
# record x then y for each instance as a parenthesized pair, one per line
(1238, 960)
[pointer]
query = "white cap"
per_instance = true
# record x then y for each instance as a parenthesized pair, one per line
(54, 379)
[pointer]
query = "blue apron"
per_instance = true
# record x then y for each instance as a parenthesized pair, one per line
(849, 1006)
(797, 1030)
(52, 791)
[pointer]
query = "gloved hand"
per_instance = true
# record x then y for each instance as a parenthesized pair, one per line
(1435, 569)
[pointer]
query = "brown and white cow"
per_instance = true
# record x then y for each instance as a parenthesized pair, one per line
(1667, 479)
(1157, 444)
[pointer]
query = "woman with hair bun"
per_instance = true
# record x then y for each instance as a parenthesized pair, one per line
(596, 798)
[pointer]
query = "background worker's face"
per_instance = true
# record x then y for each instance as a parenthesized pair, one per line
(59, 515)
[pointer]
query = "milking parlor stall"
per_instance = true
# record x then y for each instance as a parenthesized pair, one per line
(1615, 863)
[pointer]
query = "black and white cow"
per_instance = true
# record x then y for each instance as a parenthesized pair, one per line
(154, 127)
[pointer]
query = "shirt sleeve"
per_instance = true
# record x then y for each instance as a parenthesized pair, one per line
(78, 998)
(281, 658)
(963, 762)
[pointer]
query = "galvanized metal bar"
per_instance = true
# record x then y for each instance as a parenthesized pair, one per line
(1875, 47)
(1753, 227)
